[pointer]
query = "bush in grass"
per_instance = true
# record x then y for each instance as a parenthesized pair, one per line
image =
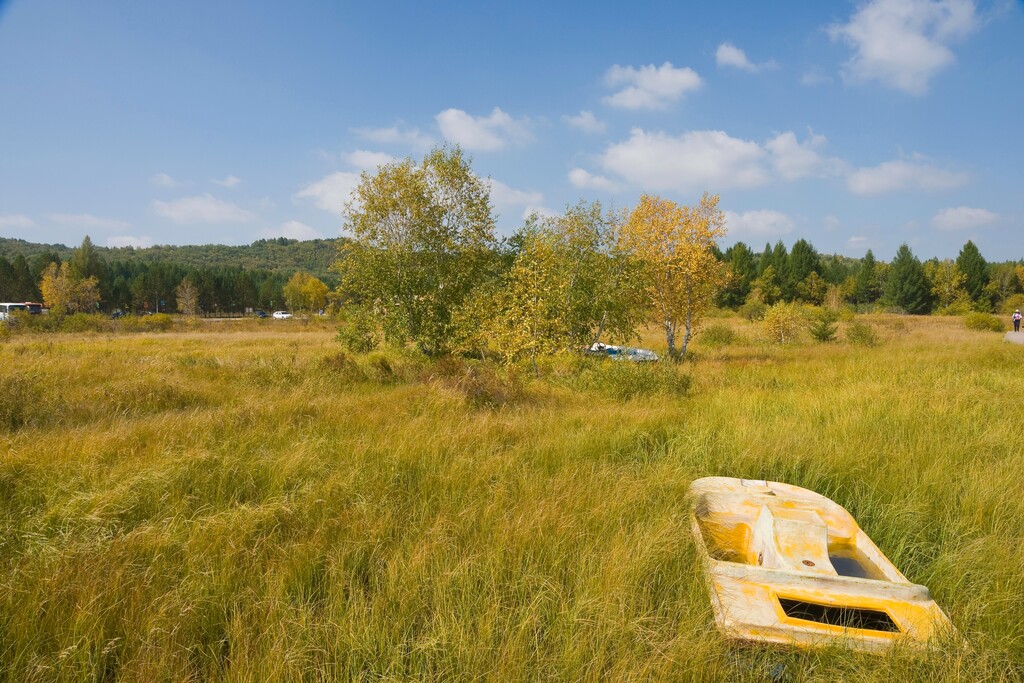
(358, 333)
(861, 334)
(782, 323)
(717, 335)
(824, 327)
(84, 322)
(983, 322)
(482, 384)
(341, 367)
(1012, 303)
(158, 322)
(753, 310)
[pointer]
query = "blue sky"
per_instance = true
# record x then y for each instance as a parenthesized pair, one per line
(855, 125)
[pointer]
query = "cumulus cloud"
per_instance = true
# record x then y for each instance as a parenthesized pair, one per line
(903, 174)
(963, 218)
(695, 160)
(904, 43)
(293, 230)
(87, 221)
(764, 223)
(164, 180)
(650, 87)
(585, 180)
(331, 192)
(505, 197)
(204, 208)
(130, 241)
(16, 220)
(230, 181)
(793, 159)
(394, 135)
(483, 133)
(586, 122)
(856, 241)
(369, 161)
(728, 54)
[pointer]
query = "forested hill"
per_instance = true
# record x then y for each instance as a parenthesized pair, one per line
(279, 255)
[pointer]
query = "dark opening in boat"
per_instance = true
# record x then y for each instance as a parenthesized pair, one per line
(835, 615)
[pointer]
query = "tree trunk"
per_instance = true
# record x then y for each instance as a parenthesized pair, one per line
(670, 339)
(600, 329)
(686, 337)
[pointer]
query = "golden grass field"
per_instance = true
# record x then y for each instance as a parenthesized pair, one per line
(240, 502)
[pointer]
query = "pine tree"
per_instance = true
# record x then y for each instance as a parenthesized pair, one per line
(866, 288)
(907, 286)
(975, 270)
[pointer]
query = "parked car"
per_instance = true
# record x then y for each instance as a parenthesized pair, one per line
(626, 353)
(282, 315)
(262, 314)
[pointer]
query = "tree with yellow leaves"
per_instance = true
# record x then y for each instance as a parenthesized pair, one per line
(64, 292)
(303, 292)
(531, 315)
(673, 246)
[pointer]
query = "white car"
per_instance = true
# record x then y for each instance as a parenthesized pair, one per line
(282, 315)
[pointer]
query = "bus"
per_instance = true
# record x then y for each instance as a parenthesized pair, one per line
(6, 309)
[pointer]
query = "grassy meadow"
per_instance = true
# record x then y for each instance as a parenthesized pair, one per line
(245, 502)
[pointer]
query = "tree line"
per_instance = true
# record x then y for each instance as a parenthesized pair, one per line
(425, 266)
(85, 282)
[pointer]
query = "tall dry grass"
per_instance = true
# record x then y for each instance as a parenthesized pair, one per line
(249, 504)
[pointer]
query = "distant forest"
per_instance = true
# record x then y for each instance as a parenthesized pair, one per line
(228, 278)
(236, 278)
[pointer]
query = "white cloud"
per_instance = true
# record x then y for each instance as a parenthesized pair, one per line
(903, 174)
(762, 223)
(230, 181)
(903, 43)
(87, 221)
(856, 241)
(832, 223)
(396, 136)
(815, 76)
(505, 197)
(586, 180)
(963, 218)
(793, 159)
(164, 180)
(203, 208)
(695, 160)
(487, 134)
(368, 161)
(331, 192)
(586, 122)
(16, 220)
(130, 241)
(650, 87)
(728, 54)
(293, 230)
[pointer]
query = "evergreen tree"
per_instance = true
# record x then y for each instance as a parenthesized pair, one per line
(866, 290)
(742, 271)
(907, 286)
(24, 286)
(975, 270)
(780, 261)
(803, 260)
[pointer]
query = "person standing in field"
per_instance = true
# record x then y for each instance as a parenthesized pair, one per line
(1016, 320)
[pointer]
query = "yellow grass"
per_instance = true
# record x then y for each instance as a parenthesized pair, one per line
(239, 503)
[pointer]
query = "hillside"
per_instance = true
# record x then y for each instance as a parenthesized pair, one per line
(279, 255)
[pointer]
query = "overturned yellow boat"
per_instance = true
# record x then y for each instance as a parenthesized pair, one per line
(786, 565)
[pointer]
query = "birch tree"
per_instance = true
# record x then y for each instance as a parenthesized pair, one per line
(673, 246)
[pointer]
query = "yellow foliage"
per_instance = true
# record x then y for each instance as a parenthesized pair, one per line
(63, 292)
(679, 271)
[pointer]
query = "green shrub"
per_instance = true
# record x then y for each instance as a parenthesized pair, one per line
(717, 335)
(753, 310)
(861, 334)
(984, 322)
(158, 322)
(358, 333)
(1012, 303)
(84, 322)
